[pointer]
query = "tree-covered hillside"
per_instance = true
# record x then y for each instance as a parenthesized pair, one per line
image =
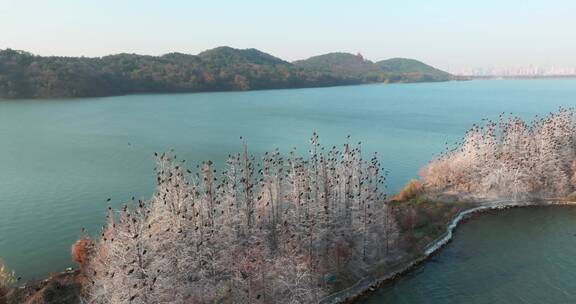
(410, 70)
(357, 68)
(24, 75)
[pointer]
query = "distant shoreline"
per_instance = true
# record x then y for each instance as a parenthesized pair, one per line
(28, 76)
(223, 92)
(520, 77)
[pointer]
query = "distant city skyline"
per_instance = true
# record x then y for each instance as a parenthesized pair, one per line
(529, 70)
(449, 34)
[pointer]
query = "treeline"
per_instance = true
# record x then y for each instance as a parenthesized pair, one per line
(23, 75)
(510, 158)
(286, 229)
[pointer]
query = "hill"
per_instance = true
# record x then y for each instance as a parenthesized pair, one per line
(409, 69)
(365, 71)
(24, 75)
(338, 63)
(228, 55)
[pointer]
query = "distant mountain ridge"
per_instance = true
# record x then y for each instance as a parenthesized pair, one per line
(24, 75)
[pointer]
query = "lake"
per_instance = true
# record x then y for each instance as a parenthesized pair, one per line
(513, 256)
(61, 159)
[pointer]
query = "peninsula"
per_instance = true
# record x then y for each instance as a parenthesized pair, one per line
(306, 230)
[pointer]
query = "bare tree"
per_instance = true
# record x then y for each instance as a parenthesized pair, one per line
(279, 230)
(510, 159)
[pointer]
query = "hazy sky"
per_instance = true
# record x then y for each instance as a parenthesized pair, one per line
(446, 33)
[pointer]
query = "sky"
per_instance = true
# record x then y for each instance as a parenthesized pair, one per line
(449, 34)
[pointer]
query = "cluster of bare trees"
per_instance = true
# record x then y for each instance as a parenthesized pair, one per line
(510, 158)
(285, 229)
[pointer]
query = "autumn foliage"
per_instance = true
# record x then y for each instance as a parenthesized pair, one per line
(81, 251)
(410, 191)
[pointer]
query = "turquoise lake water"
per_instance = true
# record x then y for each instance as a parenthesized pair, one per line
(520, 256)
(61, 159)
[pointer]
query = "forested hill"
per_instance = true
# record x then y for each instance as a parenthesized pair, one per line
(348, 66)
(24, 75)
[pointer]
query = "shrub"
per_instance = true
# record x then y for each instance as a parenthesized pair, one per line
(7, 278)
(413, 189)
(81, 251)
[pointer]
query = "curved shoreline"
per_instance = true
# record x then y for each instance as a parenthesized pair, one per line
(365, 286)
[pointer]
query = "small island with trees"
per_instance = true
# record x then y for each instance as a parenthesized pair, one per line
(313, 228)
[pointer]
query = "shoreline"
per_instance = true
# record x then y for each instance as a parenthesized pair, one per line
(366, 286)
(55, 282)
(71, 98)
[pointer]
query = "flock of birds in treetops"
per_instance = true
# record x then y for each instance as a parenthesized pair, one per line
(290, 229)
(282, 230)
(510, 159)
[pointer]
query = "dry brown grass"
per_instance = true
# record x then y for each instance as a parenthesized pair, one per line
(7, 278)
(413, 189)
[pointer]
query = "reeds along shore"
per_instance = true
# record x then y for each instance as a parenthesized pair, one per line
(285, 229)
